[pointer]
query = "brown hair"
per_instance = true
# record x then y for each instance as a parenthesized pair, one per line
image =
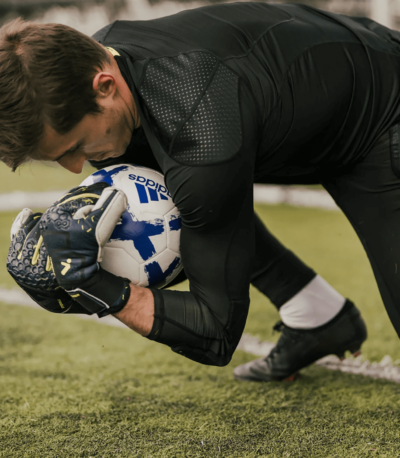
(46, 76)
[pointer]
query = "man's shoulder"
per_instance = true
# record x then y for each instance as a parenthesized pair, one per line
(101, 34)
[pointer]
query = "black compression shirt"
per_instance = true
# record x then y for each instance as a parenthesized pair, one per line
(234, 94)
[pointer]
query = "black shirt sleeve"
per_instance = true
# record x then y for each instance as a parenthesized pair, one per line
(217, 237)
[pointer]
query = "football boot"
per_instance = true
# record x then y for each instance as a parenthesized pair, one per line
(298, 348)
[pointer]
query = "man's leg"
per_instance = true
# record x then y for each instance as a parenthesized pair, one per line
(277, 272)
(316, 319)
(303, 298)
(369, 195)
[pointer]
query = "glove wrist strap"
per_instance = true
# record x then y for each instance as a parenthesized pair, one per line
(103, 293)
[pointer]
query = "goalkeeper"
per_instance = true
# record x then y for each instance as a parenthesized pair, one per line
(216, 98)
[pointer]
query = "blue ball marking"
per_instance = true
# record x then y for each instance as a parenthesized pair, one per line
(155, 273)
(138, 232)
(175, 223)
(107, 175)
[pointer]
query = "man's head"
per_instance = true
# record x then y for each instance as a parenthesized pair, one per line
(62, 97)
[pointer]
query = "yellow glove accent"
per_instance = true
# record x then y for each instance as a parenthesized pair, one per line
(36, 253)
(67, 266)
(23, 246)
(61, 304)
(49, 264)
(80, 196)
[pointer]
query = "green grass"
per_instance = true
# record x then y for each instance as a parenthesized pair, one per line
(77, 389)
(40, 176)
(73, 388)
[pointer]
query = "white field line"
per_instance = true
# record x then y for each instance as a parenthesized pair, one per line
(268, 194)
(386, 369)
(18, 200)
(292, 195)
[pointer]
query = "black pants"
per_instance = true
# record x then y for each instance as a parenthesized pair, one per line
(369, 195)
(277, 272)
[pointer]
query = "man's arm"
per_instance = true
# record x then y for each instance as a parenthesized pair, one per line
(138, 313)
(209, 172)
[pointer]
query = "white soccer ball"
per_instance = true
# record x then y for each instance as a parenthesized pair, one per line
(144, 246)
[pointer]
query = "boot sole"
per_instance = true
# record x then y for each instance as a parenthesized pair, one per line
(354, 348)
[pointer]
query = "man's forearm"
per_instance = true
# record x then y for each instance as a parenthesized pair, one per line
(138, 313)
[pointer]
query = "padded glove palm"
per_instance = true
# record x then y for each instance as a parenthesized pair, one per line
(75, 229)
(30, 266)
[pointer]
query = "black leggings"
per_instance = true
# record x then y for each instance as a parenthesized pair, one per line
(277, 272)
(369, 195)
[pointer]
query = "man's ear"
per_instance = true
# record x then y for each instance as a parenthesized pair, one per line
(104, 84)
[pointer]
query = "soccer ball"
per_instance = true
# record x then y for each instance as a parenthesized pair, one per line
(144, 246)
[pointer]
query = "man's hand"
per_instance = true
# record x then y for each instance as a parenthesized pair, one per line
(30, 266)
(75, 229)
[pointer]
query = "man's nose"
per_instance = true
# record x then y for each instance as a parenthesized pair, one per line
(73, 164)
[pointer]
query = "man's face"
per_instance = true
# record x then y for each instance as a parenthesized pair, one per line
(95, 137)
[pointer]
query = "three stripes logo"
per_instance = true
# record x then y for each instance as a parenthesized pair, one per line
(149, 190)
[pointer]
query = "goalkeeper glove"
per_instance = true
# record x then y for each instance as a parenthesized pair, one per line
(30, 266)
(75, 229)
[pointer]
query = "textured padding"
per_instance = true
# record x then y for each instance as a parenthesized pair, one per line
(180, 88)
(173, 85)
(171, 88)
(214, 133)
(19, 260)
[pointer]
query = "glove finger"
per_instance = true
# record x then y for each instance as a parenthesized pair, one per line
(22, 236)
(81, 192)
(32, 221)
(20, 220)
(107, 212)
(105, 199)
(83, 212)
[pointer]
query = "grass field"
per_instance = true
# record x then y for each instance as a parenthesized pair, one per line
(74, 388)
(38, 176)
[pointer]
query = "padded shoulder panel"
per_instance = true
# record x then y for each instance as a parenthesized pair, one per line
(171, 87)
(193, 103)
(214, 133)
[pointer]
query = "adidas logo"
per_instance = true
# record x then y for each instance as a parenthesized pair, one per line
(149, 190)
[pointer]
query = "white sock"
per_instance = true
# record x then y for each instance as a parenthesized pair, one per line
(316, 304)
